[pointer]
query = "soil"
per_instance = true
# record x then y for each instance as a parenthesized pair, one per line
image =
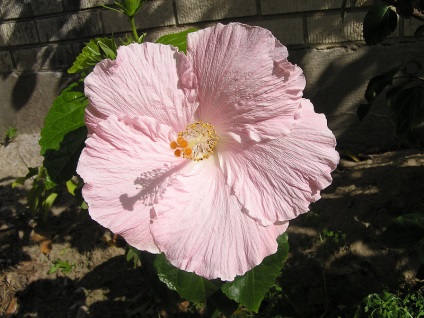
(336, 254)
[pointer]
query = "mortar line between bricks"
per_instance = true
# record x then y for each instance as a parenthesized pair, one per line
(12, 58)
(51, 15)
(174, 10)
(305, 30)
(258, 8)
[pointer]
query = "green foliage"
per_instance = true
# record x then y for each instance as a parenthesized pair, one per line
(178, 40)
(66, 114)
(247, 290)
(377, 84)
(188, 285)
(10, 134)
(406, 105)
(405, 99)
(71, 186)
(42, 194)
(336, 236)
(388, 305)
(405, 231)
(64, 266)
(21, 180)
(128, 7)
(133, 39)
(379, 22)
(134, 255)
(61, 164)
(419, 31)
(250, 289)
(64, 133)
(93, 52)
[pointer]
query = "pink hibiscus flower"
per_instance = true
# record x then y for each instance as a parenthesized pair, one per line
(206, 156)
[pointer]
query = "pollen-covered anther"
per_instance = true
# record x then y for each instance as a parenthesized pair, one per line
(177, 153)
(196, 142)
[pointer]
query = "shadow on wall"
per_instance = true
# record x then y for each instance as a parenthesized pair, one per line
(23, 89)
(29, 61)
(336, 82)
(26, 93)
(55, 56)
(336, 77)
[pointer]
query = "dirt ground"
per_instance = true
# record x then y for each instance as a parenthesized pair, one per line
(336, 255)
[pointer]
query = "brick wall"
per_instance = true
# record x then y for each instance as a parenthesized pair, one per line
(40, 35)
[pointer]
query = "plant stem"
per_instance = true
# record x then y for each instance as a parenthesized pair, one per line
(134, 31)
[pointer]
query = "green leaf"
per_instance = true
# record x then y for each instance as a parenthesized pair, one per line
(363, 110)
(48, 203)
(406, 106)
(218, 303)
(379, 22)
(21, 180)
(189, 285)
(178, 40)
(378, 83)
(61, 164)
(128, 7)
(133, 254)
(405, 231)
(11, 132)
(48, 182)
(94, 51)
(64, 266)
(84, 205)
(419, 31)
(34, 197)
(66, 114)
(71, 185)
(250, 289)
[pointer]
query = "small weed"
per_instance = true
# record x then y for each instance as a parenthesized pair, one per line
(336, 236)
(388, 305)
(10, 134)
(312, 218)
(134, 255)
(64, 266)
(42, 194)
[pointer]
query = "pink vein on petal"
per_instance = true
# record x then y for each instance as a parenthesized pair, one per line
(145, 80)
(200, 226)
(247, 88)
(127, 166)
(277, 180)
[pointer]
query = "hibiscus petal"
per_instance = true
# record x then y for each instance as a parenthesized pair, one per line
(201, 229)
(145, 80)
(127, 165)
(277, 180)
(245, 81)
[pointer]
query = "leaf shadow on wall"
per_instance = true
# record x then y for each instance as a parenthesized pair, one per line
(28, 62)
(23, 90)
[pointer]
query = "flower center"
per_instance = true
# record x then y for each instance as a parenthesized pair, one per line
(196, 142)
